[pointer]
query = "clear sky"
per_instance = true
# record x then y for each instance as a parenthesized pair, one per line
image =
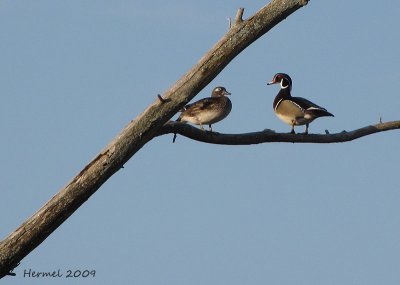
(74, 73)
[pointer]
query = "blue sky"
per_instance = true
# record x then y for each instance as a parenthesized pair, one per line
(74, 73)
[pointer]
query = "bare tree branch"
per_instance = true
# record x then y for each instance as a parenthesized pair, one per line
(140, 131)
(270, 136)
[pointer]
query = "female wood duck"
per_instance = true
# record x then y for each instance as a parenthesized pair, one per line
(208, 110)
(294, 111)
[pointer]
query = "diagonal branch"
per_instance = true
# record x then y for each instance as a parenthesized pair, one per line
(270, 136)
(138, 132)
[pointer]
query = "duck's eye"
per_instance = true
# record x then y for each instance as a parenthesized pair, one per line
(217, 89)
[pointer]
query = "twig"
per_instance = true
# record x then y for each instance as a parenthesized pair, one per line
(174, 138)
(162, 100)
(239, 16)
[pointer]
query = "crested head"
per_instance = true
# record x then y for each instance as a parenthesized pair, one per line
(284, 80)
(219, 91)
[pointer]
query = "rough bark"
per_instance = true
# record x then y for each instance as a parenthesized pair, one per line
(138, 132)
(270, 136)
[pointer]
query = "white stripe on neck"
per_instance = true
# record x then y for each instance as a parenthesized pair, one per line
(284, 87)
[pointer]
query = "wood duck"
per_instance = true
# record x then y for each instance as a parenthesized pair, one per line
(209, 110)
(294, 111)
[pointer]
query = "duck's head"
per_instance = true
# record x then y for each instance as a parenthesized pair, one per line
(219, 91)
(283, 79)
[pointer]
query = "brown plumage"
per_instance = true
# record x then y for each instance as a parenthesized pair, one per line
(209, 110)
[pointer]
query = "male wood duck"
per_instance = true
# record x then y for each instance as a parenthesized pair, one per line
(209, 110)
(294, 111)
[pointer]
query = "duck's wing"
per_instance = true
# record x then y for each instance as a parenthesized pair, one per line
(306, 104)
(310, 107)
(200, 105)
